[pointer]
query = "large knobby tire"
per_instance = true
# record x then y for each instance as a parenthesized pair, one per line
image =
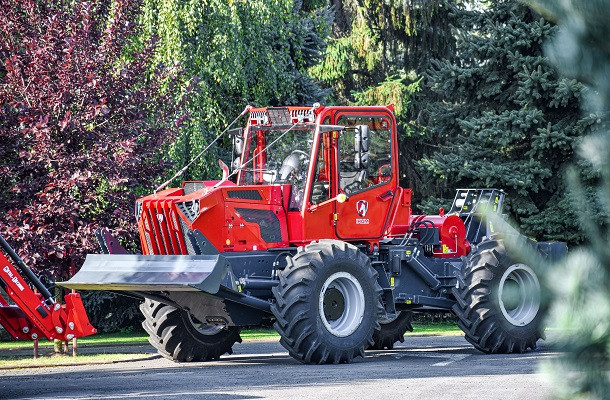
(392, 331)
(328, 303)
(498, 301)
(179, 337)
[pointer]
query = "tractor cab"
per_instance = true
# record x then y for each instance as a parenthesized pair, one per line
(298, 174)
(339, 163)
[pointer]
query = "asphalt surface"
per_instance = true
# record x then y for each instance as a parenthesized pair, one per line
(421, 368)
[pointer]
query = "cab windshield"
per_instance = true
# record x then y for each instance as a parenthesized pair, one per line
(285, 161)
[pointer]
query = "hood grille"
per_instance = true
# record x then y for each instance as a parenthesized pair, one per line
(190, 209)
(191, 187)
(160, 228)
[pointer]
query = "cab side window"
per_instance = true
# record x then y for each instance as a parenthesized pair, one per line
(364, 162)
(320, 191)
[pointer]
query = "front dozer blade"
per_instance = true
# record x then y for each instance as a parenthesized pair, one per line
(139, 273)
(202, 284)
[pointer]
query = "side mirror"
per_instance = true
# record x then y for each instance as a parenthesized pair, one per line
(361, 139)
(362, 161)
(238, 140)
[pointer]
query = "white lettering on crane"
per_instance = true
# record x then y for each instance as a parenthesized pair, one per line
(13, 278)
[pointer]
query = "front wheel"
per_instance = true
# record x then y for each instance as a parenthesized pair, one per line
(498, 301)
(180, 337)
(328, 303)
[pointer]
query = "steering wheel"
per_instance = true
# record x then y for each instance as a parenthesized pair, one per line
(384, 174)
(301, 152)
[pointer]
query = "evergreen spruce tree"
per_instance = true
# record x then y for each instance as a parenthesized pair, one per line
(580, 307)
(378, 54)
(506, 119)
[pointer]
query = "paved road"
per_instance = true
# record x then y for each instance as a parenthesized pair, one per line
(422, 368)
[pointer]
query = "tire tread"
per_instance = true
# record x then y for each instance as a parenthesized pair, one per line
(293, 303)
(169, 334)
(478, 316)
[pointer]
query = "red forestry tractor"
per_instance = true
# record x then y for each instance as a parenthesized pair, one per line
(310, 230)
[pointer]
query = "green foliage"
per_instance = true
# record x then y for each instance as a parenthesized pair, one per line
(378, 54)
(375, 41)
(580, 314)
(350, 60)
(254, 52)
(393, 90)
(580, 308)
(109, 312)
(506, 119)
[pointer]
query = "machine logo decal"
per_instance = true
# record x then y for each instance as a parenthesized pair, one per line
(160, 218)
(362, 206)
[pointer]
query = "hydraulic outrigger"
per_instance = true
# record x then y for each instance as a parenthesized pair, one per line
(36, 314)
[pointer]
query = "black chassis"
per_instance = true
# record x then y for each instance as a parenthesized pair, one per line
(411, 278)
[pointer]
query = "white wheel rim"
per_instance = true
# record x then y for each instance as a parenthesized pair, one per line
(341, 321)
(519, 295)
(203, 328)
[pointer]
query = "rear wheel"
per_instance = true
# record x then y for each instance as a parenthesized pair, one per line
(328, 303)
(498, 301)
(179, 336)
(392, 331)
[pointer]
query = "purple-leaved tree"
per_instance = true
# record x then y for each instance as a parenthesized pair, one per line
(84, 120)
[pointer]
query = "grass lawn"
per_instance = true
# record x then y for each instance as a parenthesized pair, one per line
(99, 339)
(439, 328)
(109, 339)
(436, 328)
(45, 360)
(426, 329)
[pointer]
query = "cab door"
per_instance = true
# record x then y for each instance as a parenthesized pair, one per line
(367, 175)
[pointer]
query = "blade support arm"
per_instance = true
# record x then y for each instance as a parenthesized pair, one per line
(37, 315)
